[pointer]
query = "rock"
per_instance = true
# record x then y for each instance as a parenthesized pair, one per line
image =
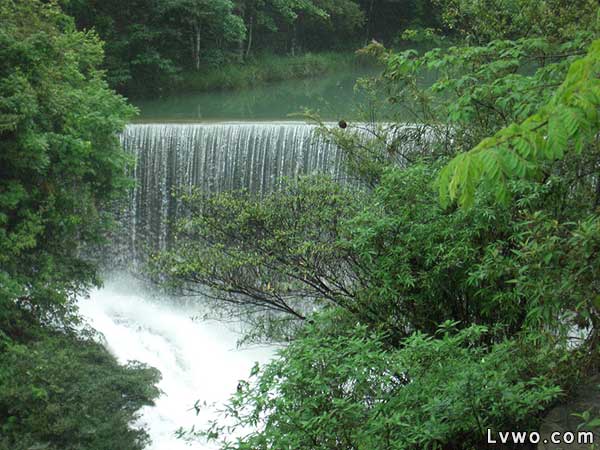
(561, 419)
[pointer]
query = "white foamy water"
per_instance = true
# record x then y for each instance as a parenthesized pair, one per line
(198, 360)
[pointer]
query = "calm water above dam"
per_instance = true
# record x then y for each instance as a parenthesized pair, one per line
(332, 96)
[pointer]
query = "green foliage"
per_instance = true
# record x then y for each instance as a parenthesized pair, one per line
(282, 252)
(569, 121)
(398, 379)
(486, 20)
(505, 88)
(63, 392)
(552, 267)
(463, 94)
(60, 160)
(151, 44)
(134, 41)
(347, 390)
(498, 255)
(61, 163)
(416, 259)
(438, 321)
(420, 264)
(194, 20)
(262, 70)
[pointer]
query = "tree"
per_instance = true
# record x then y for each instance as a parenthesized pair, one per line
(60, 165)
(482, 21)
(342, 22)
(61, 159)
(273, 16)
(150, 45)
(568, 122)
(139, 51)
(63, 392)
(203, 18)
(282, 253)
(340, 388)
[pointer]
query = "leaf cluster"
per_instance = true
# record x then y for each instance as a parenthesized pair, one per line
(349, 391)
(60, 165)
(60, 391)
(568, 122)
(276, 252)
(61, 160)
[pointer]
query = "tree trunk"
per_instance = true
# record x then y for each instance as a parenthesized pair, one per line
(196, 45)
(294, 43)
(369, 18)
(597, 202)
(250, 27)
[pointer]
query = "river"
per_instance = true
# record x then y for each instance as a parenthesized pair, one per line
(198, 360)
(333, 96)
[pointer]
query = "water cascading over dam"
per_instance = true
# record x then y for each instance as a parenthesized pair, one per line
(216, 157)
(198, 361)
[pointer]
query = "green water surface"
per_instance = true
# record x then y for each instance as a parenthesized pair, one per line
(333, 96)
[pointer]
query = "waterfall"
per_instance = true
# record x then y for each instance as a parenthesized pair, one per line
(198, 360)
(216, 158)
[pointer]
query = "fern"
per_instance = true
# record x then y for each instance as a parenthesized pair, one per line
(569, 121)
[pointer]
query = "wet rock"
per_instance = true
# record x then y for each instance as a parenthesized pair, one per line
(562, 419)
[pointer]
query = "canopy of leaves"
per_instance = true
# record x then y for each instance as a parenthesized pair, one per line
(268, 252)
(61, 392)
(60, 164)
(570, 121)
(152, 43)
(60, 160)
(348, 391)
(481, 21)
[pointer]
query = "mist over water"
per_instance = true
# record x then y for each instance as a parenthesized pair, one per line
(198, 359)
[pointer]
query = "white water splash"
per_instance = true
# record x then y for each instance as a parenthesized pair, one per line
(198, 360)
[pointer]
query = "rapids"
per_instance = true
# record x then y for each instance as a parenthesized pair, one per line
(198, 360)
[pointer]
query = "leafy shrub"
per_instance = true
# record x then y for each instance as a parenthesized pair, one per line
(264, 69)
(347, 390)
(60, 164)
(61, 392)
(61, 160)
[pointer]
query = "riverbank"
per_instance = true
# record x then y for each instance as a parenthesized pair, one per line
(268, 69)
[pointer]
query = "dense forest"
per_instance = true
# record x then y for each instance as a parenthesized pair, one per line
(152, 44)
(445, 291)
(60, 162)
